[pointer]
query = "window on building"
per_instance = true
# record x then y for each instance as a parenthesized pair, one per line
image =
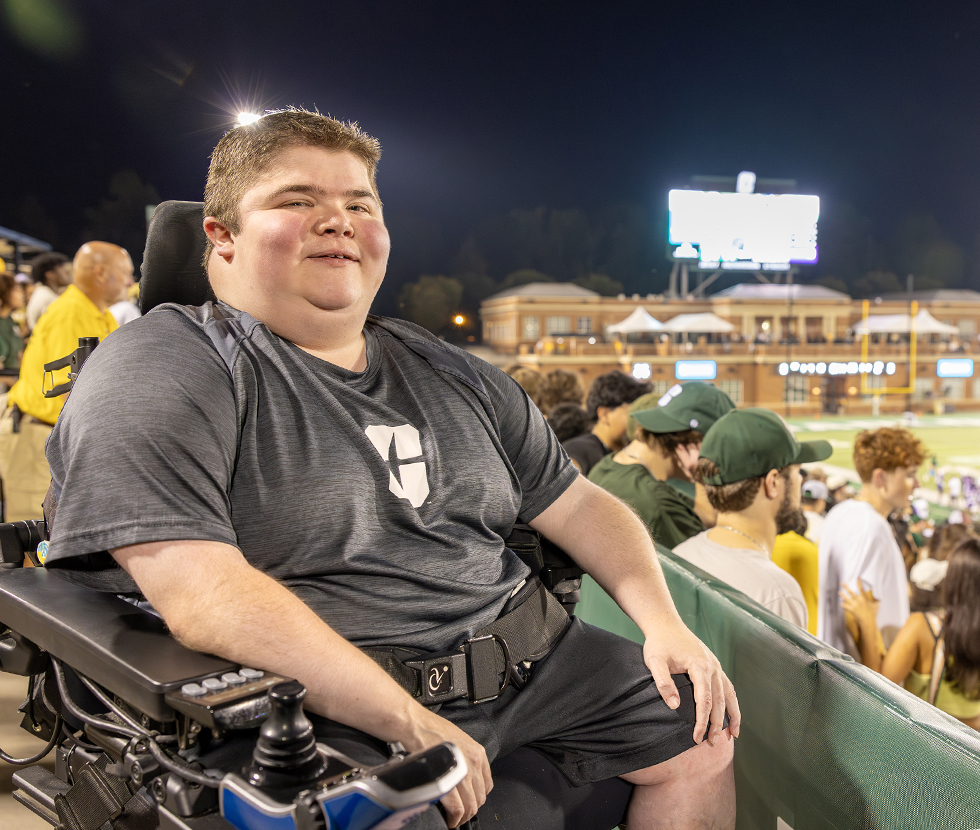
(660, 387)
(584, 325)
(923, 389)
(532, 328)
(788, 328)
(796, 389)
(733, 388)
(968, 328)
(557, 325)
(763, 330)
(498, 332)
(814, 329)
(873, 382)
(953, 389)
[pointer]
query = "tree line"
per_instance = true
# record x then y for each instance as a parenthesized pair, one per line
(436, 276)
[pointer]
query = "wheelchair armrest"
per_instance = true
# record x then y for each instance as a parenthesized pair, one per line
(117, 645)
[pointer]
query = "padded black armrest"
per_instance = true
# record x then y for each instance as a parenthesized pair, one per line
(119, 646)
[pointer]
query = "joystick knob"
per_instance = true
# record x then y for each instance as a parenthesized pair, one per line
(285, 755)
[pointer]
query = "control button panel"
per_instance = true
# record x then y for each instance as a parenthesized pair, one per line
(233, 700)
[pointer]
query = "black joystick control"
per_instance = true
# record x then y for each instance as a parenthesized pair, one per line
(285, 755)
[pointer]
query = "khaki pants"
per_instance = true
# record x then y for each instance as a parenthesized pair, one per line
(23, 467)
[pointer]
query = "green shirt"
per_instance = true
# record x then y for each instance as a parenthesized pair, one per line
(668, 513)
(11, 343)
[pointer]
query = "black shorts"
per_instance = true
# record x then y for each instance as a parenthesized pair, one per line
(591, 707)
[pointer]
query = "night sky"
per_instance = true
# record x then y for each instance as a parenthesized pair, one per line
(485, 107)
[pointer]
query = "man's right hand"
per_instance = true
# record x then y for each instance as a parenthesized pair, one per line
(463, 802)
(214, 601)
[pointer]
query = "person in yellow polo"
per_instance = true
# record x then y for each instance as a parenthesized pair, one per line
(103, 273)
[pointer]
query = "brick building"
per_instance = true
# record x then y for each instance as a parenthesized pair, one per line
(792, 347)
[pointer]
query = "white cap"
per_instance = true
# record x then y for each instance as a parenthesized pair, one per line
(814, 489)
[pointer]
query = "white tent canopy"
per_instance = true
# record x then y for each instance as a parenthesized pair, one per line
(703, 323)
(925, 323)
(640, 320)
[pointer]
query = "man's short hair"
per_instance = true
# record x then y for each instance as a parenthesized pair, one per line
(244, 153)
(560, 386)
(668, 442)
(44, 264)
(887, 448)
(613, 389)
(734, 497)
(568, 420)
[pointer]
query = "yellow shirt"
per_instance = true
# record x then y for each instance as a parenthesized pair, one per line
(799, 557)
(948, 699)
(71, 316)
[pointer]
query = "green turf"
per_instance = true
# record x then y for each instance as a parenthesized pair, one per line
(953, 440)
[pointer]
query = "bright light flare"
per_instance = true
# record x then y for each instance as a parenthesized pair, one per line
(247, 118)
(459, 319)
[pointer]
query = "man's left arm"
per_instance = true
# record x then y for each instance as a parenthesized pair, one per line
(608, 541)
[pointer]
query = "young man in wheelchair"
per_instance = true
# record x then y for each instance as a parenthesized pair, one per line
(294, 485)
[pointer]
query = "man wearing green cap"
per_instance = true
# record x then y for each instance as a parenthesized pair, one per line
(664, 446)
(750, 467)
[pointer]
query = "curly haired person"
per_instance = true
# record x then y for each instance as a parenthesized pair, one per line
(857, 542)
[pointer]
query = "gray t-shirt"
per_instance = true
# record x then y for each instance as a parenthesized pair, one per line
(750, 571)
(380, 498)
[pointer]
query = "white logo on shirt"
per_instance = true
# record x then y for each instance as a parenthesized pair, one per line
(414, 485)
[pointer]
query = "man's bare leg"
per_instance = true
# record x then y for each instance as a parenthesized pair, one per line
(692, 791)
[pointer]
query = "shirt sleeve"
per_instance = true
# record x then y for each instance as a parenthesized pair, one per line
(670, 520)
(532, 448)
(145, 447)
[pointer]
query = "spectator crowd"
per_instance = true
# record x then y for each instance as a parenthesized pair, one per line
(42, 316)
(736, 495)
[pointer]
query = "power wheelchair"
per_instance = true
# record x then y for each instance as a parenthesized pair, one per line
(129, 711)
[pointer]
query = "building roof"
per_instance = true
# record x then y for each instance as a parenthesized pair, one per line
(941, 295)
(764, 291)
(546, 289)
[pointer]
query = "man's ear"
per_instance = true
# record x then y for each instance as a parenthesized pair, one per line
(221, 238)
(771, 483)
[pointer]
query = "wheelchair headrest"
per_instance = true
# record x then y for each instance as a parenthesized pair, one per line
(172, 270)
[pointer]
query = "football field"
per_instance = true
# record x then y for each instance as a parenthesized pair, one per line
(953, 439)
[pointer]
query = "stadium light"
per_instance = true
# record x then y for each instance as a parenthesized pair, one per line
(247, 118)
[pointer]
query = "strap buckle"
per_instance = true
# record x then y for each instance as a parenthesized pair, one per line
(442, 677)
(483, 669)
(472, 671)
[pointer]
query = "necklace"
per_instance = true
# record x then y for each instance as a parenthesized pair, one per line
(755, 542)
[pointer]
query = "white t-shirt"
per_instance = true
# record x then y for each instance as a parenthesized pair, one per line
(814, 525)
(750, 571)
(857, 543)
(124, 311)
(42, 297)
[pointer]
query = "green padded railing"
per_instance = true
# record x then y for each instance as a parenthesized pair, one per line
(825, 742)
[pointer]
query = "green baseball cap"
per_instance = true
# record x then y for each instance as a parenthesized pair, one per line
(647, 401)
(693, 405)
(750, 442)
